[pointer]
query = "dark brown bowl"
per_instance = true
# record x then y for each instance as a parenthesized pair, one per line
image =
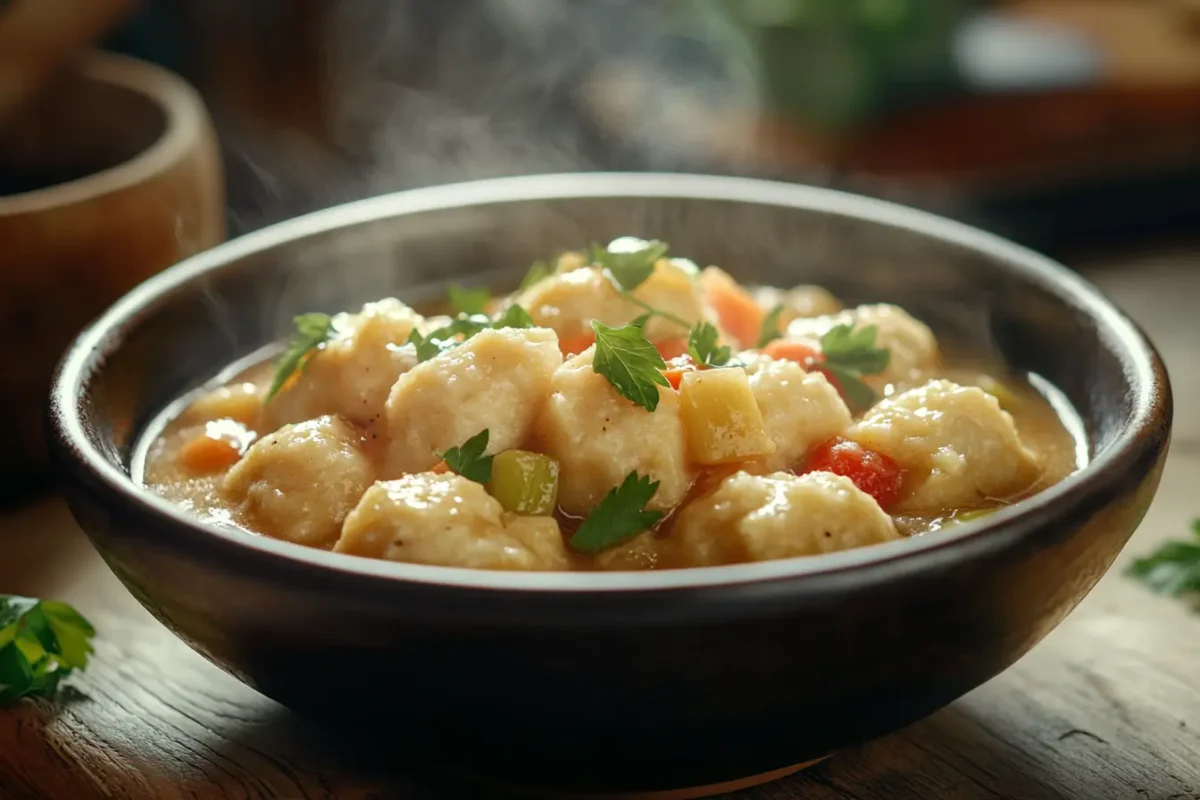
(634, 681)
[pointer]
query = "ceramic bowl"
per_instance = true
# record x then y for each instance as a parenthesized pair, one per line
(617, 682)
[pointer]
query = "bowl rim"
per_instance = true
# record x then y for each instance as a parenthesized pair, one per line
(1145, 431)
(184, 117)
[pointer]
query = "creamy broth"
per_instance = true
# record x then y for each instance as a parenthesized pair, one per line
(192, 455)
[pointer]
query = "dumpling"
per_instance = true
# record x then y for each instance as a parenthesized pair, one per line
(599, 437)
(299, 482)
(765, 517)
(353, 372)
(447, 520)
(909, 341)
(800, 409)
(959, 447)
(497, 379)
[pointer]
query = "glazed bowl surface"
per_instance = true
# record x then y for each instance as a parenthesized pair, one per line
(610, 682)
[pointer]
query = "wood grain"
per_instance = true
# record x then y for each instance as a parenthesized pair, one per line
(1105, 707)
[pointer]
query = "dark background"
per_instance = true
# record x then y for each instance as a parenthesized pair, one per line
(1065, 124)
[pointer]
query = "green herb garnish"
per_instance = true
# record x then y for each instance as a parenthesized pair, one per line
(1174, 568)
(41, 642)
(312, 331)
(630, 362)
(620, 516)
(514, 317)
(770, 328)
(468, 301)
(848, 355)
(629, 268)
(468, 459)
(703, 348)
(463, 328)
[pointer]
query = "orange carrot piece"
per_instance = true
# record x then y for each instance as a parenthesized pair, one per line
(205, 455)
(440, 468)
(672, 348)
(736, 310)
(573, 345)
(676, 367)
(783, 350)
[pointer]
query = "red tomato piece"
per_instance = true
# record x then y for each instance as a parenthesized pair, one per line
(872, 472)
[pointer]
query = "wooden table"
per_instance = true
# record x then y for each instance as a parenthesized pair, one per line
(1108, 706)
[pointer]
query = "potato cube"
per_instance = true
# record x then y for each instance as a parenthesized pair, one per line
(722, 420)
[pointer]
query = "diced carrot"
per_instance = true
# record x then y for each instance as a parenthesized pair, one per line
(573, 345)
(783, 350)
(672, 348)
(440, 468)
(736, 310)
(204, 455)
(676, 367)
(872, 472)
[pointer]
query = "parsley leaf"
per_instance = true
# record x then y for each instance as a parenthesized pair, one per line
(427, 346)
(632, 365)
(514, 317)
(620, 516)
(855, 349)
(770, 327)
(443, 338)
(468, 459)
(848, 355)
(468, 301)
(702, 346)
(538, 272)
(1173, 569)
(312, 331)
(628, 260)
(41, 642)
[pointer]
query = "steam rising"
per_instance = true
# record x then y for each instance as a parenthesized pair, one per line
(423, 93)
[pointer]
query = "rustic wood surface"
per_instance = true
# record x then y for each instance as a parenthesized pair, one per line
(1106, 707)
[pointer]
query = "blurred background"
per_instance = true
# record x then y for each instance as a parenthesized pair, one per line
(1061, 123)
(1072, 126)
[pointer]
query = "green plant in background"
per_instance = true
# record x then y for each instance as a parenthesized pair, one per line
(41, 643)
(834, 64)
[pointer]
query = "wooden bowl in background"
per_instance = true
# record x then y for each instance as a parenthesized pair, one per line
(110, 175)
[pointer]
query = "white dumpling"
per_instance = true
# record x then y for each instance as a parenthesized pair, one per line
(909, 341)
(599, 437)
(497, 379)
(352, 373)
(765, 517)
(959, 447)
(800, 409)
(447, 520)
(299, 482)
(569, 301)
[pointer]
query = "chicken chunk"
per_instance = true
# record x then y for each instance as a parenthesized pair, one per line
(569, 301)
(909, 341)
(447, 520)
(599, 437)
(353, 372)
(764, 517)
(299, 482)
(956, 443)
(800, 409)
(498, 380)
